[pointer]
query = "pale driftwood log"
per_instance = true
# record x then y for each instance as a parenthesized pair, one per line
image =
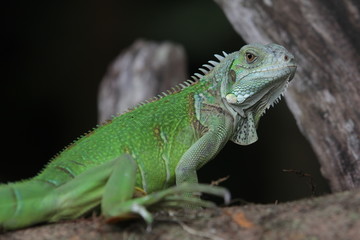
(141, 72)
(324, 36)
(332, 217)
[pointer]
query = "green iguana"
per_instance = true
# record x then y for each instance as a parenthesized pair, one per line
(132, 162)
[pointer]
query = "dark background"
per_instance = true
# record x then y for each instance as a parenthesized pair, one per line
(54, 54)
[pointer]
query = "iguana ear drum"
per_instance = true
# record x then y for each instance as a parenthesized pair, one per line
(232, 76)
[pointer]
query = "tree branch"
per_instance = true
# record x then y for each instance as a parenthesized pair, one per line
(324, 36)
(332, 217)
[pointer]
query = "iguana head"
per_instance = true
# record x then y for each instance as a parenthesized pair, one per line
(257, 78)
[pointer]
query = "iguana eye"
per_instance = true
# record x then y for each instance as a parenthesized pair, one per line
(250, 58)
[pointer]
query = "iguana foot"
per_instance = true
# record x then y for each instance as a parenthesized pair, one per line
(176, 196)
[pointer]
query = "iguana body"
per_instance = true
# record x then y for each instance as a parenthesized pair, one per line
(154, 146)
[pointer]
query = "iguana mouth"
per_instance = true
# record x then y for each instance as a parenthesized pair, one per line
(292, 74)
(273, 90)
(273, 95)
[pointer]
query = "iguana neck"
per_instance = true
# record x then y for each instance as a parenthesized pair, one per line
(214, 85)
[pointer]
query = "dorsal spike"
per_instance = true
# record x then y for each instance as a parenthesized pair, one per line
(198, 75)
(209, 67)
(191, 82)
(213, 63)
(225, 54)
(182, 85)
(178, 88)
(219, 57)
(186, 83)
(204, 71)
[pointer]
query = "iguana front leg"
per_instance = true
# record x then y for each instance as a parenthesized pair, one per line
(203, 150)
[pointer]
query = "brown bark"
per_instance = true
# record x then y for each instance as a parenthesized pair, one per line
(331, 217)
(324, 36)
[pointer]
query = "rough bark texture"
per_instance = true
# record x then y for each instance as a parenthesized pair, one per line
(142, 71)
(324, 36)
(331, 217)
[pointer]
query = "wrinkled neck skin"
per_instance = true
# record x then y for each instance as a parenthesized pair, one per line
(244, 129)
(218, 85)
(223, 84)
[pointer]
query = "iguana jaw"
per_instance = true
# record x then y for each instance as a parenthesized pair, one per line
(272, 97)
(268, 96)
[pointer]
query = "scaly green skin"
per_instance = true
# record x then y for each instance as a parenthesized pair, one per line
(155, 145)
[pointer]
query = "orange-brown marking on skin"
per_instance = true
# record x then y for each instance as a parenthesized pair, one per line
(139, 192)
(158, 138)
(126, 149)
(106, 122)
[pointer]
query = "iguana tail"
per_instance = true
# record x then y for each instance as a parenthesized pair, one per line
(23, 203)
